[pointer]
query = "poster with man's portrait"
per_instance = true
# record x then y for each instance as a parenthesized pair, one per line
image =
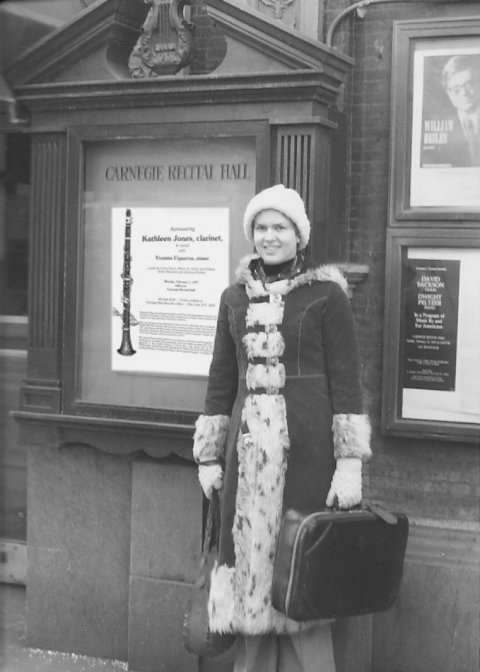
(445, 156)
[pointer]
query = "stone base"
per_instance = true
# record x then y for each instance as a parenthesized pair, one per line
(113, 549)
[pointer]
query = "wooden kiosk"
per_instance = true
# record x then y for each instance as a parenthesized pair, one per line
(144, 158)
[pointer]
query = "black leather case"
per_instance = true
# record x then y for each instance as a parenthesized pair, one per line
(338, 563)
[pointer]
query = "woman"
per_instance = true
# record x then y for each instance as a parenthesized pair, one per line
(282, 427)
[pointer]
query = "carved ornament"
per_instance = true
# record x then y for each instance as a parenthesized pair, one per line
(277, 6)
(165, 45)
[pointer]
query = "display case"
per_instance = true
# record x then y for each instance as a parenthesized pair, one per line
(158, 234)
(435, 156)
(432, 349)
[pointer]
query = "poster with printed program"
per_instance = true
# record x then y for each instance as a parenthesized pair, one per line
(440, 362)
(431, 322)
(167, 266)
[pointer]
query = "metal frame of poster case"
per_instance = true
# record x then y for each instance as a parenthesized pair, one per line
(399, 242)
(420, 49)
(79, 139)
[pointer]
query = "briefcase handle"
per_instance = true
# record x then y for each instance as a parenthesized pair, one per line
(382, 512)
(375, 508)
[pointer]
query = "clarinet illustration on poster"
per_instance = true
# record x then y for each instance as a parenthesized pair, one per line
(167, 267)
(128, 320)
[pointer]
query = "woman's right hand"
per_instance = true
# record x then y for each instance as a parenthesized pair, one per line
(210, 477)
(346, 485)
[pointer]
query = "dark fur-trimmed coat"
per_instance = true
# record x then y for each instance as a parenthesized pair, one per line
(286, 362)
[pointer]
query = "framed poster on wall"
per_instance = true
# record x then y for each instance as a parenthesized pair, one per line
(154, 238)
(436, 121)
(432, 345)
(167, 265)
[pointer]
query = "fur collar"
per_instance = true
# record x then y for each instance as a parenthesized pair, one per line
(255, 288)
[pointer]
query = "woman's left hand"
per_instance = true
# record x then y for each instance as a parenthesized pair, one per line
(210, 477)
(346, 484)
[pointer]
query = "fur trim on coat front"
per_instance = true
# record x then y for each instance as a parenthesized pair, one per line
(262, 463)
(256, 289)
(274, 462)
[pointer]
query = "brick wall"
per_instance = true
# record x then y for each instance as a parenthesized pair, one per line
(426, 478)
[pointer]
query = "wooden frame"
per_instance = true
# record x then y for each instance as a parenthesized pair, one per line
(80, 139)
(427, 185)
(430, 411)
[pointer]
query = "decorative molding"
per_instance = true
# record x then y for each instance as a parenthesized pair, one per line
(271, 37)
(304, 121)
(277, 7)
(355, 274)
(47, 200)
(165, 45)
(295, 155)
(107, 31)
(294, 86)
(62, 46)
(40, 397)
(111, 435)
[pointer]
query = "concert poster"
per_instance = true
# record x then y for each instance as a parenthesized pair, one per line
(164, 308)
(445, 158)
(431, 319)
(440, 349)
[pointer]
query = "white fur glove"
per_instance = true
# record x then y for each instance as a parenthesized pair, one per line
(346, 483)
(210, 477)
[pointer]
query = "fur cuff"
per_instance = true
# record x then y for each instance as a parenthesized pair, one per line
(351, 436)
(210, 437)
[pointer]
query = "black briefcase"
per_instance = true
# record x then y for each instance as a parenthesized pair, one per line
(338, 563)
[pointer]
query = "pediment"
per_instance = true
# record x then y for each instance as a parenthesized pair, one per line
(266, 40)
(227, 39)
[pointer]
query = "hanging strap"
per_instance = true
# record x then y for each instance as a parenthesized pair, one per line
(211, 536)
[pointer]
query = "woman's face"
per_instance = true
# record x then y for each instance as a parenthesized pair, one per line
(275, 237)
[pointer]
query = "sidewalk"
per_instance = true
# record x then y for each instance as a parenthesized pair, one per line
(15, 656)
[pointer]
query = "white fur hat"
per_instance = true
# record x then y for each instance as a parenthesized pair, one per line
(286, 201)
